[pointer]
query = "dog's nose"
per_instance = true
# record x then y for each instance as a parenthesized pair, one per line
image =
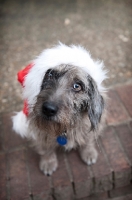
(49, 109)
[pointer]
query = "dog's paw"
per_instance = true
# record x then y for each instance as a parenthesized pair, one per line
(89, 156)
(48, 165)
(91, 161)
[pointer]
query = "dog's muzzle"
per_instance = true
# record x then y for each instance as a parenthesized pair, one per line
(49, 109)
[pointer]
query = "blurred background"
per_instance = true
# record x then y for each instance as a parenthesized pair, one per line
(104, 27)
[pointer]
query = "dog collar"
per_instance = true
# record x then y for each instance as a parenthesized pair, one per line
(62, 139)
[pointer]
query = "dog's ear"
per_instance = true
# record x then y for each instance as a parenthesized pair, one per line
(95, 104)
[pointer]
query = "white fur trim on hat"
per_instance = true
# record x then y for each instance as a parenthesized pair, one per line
(61, 54)
(20, 124)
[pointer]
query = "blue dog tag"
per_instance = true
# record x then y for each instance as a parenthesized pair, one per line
(62, 140)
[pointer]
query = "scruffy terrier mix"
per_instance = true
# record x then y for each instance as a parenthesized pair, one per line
(63, 103)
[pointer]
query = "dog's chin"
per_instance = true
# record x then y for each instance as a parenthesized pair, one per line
(50, 125)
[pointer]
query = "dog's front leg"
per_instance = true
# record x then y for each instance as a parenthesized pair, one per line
(48, 161)
(88, 154)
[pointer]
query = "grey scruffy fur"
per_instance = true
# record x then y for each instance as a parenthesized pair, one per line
(69, 101)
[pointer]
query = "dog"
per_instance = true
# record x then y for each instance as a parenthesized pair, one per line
(64, 104)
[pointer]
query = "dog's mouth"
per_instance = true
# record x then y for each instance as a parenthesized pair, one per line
(48, 118)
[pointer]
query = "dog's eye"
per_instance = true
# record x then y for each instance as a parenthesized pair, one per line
(77, 87)
(49, 75)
